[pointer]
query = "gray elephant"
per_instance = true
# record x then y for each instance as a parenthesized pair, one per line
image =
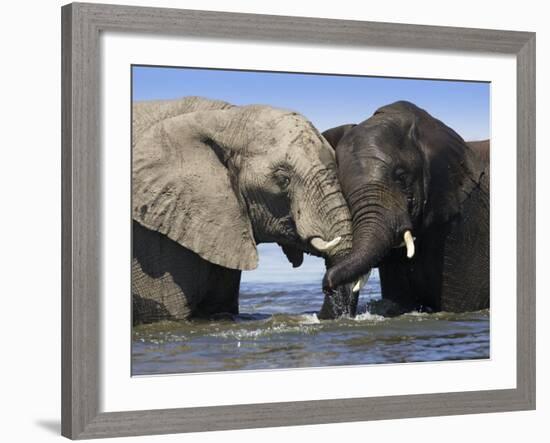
(419, 198)
(210, 181)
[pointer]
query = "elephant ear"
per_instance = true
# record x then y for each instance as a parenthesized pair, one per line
(183, 187)
(334, 135)
(451, 169)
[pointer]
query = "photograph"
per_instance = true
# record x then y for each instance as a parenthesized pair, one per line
(287, 220)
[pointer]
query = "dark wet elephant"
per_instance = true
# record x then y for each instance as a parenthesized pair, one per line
(210, 181)
(419, 199)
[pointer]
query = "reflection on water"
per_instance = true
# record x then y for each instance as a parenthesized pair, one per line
(278, 328)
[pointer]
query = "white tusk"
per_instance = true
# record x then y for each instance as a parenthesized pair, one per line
(361, 282)
(409, 243)
(321, 245)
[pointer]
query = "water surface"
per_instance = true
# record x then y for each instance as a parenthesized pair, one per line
(278, 328)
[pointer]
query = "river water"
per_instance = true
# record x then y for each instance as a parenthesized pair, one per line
(278, 328)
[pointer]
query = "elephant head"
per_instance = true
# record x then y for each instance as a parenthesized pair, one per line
(218, 179)
(402, 172)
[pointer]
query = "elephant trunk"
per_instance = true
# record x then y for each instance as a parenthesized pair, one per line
(334, 242)
(342, 300)
(322, 216)
(380, 222)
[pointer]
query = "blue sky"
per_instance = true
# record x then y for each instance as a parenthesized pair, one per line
(327, 101)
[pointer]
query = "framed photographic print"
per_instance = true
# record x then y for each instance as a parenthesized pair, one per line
(273, 221)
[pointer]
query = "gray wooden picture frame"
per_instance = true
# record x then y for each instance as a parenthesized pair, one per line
(81, 171)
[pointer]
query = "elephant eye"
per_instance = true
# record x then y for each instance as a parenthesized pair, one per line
(282, 180)
(401, 177)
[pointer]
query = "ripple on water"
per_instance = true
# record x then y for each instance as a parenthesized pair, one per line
(280, 329)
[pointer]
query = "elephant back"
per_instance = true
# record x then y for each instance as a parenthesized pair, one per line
(482, 148)
(146, 114)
